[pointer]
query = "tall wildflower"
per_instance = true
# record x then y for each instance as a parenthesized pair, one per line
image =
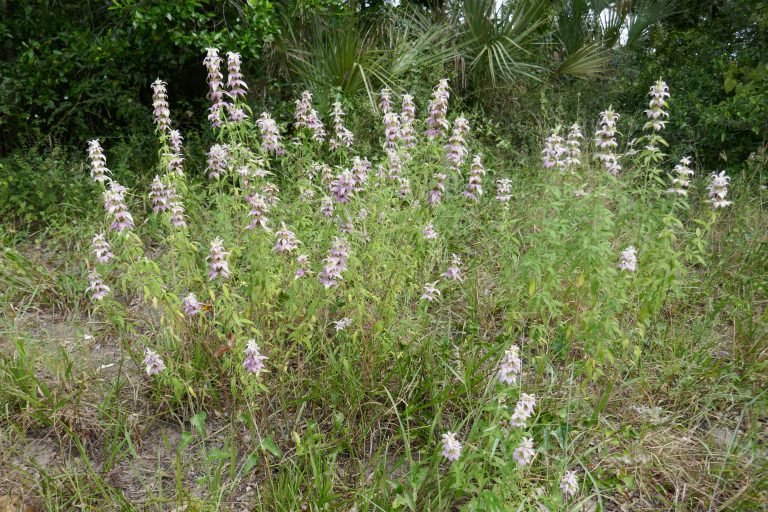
(236, 114)
(573, 147)
(451, 447)
(605, 141)
(175, 158)
(258, 211)
(429, 232)
(217, 260)
(153, 363)
(509, 369)
(96, 286)
(456, 150)
(438, 109)
(306, 116)
(101, 249)
(217, 160)
(159, 196)
(682, 178)
(718, 189)
(395, 165)
(271, 193)
(656, 114)
(436, 194)
(342, 324)
(302, 260)
(475, 184)
(99, 171)
(161, 112)
(431, 293)
(326, 206)
(504, 190)
(385, 100)
(213, 63)
(554, 153)
(114, 204)
(342, 137)
(405, 188)
(343, 186)
(270, 135)
(569, 484)
(360, 169)
(407, 118)
(253, 360)
(235, 83)
(391, 130)
(286, 240)
(628, 259)
(177, 214)
(523, 410)
(454, 271)
(335, 264)
(191, 305)
(524, 453)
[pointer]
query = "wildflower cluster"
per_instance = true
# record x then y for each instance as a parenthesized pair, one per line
(437, 123)
(475, 184)
(605, 142)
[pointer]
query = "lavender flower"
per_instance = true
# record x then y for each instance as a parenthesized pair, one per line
(335, 264)
(153, 363)
(391, 130)
(177, 215)
(218, 260)
(569, 484)
(605, 141)
(429, 232)
(342, 324)
(213, 62)
(504, 190)
(258, 211)
(431, 293)
(342, 137)
(306, 116)
(253, 362)
(454, 271)
(114, 204)
(407, 118)
(436, 194)
(405, 188)
(524, 453)
(286, 240)
(160, 110)
(395, 165)
(628, 259)
(326, 206)
(158, 195)
(510, 366)
(573, 147)
(343, 186)
(175, 158)
(523, 410)
(554, 153)
(191, 305)
(385, 101)
(99, 169)
(302, 260)
(682, 180)
(101, 248)
(438, 109)
(475, 184)
(217, 160)
(96, 286)
(235, 82)
(656, 113)
(360, 169)
(271, 193)
(456, 150)
(270, 135)
(451, 447)
(718, 189)
(236, 114)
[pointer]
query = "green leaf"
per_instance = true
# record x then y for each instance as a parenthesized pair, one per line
(198, 421)
(268, 444)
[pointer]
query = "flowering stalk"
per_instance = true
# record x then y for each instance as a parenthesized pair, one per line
(554, 153)
(161, 111)
(682, 179)
(217, 160)
(407, 118)
(342, 137)
(253, 362)
(219, 267)
(504, 190)
(177, 214)
(429, 232)
(191, 305)
(454, 271)
(569, 484)
(258, 211)
(605, 141)
(451, 447)
(456, 150)
(235, 83)
(96, 286)
(342, 324)
(175, 158)
(213, 63)
(718, 189)
(99, 171)
(573, 147)
(391, 130)
(302, 260)
(326, 206)
(360, 169)
(343, 186)
(628, 260)
(153, 362)
(523, 410)
(270, 135)
(475, 184)
(286, 240)
(159, 196)
(436, 194)
(438, 109)
(656, 114)
(335, 264)
(385, 101)
(101, 249)
(431, 293)
(509, 369)
(524, 453)
(114, 204)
